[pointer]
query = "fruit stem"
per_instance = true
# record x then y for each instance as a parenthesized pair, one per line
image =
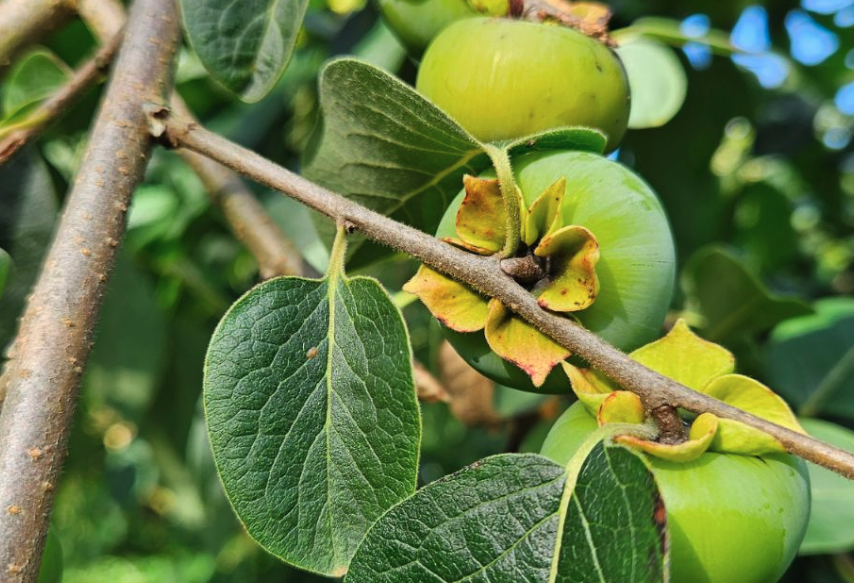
(671, 430)
(512, 198)
(338, 254)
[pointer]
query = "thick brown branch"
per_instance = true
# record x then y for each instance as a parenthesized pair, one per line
(246, 217)
(56, 330)
(485, 275)
(24, 21)
(83, 79)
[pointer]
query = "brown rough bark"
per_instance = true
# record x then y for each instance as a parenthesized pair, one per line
(24, 21)
(56, 330)
(485, 275)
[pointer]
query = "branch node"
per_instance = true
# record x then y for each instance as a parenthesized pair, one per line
(670, 426)
(523, 269)
(158, 114)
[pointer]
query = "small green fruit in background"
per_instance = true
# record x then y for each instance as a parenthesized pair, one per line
(503, 79)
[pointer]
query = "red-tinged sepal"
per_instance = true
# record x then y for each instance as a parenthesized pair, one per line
(516, 341)
(452, 303)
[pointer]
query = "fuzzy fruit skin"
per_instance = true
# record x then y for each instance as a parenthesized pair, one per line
(417, 23)
(636, 268)
(505, 79)
(731, 518)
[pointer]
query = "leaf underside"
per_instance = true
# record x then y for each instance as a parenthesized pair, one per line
(497, 521)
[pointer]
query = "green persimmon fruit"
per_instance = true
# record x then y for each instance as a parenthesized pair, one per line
(51, 568)
(417, 22)
(732, 518)
(636, 268)
(504, 79)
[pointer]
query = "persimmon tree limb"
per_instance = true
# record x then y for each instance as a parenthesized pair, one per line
(486, 276)
(15, 137)
(24, 21)
(56, 330)
(246, 217)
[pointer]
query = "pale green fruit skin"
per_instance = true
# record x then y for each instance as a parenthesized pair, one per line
(637, 264)
(504, 79)
(416, 23)
(731, 518)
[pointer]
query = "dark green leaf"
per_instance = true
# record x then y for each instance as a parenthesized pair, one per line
(732, 301)
(388, 148)
(811, 359)
(35, 77)
(831, 525)
(763, 216)
(5, 264)
(614, 530)
(312, 414)
(27, 214)
(498, 520)
(124, 369)
(244, 45)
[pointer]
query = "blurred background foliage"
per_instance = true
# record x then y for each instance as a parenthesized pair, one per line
(756, 172)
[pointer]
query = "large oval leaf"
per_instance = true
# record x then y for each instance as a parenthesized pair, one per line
(312, 415)
(523, 518)
(385, 146)
(244, 45)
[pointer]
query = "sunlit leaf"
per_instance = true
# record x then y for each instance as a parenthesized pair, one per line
(657, 81)
(244, 45)
(312, 414)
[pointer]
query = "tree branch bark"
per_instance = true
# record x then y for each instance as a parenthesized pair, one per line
(23, 21)
(246, 217)
(485, 275)
(84, 78)
(56, 331)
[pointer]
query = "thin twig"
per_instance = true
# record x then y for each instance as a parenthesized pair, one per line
(246, 217)
(56, 331)
(14, 138)
(485, 275)
(23, 22)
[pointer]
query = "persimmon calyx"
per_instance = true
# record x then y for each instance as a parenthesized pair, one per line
(704, 367)
(562, 260)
